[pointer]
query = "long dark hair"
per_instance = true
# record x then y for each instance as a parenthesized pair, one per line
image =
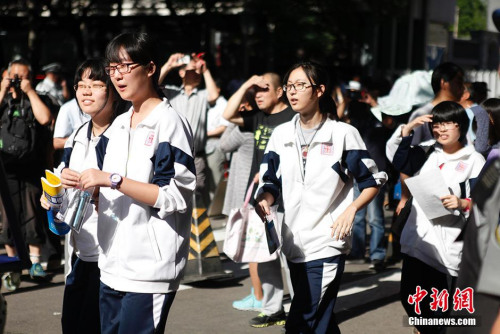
(140, 48)
(317, 75)
(96, 69)
(492, 106)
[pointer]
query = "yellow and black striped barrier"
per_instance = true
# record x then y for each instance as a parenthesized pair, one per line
(203, 260)
(202, 243)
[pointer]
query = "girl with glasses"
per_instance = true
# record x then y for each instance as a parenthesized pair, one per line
(80, 312)
(146, 187)
(310, 162)
(432, 248)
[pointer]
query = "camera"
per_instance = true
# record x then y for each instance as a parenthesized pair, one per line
(15, 83)
(184, 60)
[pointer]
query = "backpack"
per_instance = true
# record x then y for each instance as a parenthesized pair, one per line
(17, 131)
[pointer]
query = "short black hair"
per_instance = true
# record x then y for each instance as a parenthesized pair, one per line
(478, 92)
(445, 71)
(449, 111)
(97, 66)
(139, 47)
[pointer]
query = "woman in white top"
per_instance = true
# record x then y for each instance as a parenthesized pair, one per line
(432, 248)
(310, 162)
(146, 187)
(97, 98)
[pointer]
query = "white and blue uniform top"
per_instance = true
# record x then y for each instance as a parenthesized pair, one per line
(80, 154)
(314, 200)
(144, 248)
(437, 242)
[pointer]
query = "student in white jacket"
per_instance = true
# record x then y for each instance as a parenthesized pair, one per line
(310, 162)
(98, 99)
(433, 248)
(146, 184)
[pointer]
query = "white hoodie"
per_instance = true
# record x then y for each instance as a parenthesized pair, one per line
(144, 249)
(313, 202)
(434, 242)
(79, 155)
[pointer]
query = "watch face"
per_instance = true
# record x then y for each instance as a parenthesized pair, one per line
(115, 178)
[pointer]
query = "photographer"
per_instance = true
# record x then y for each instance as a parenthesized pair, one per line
(193, 103)
(23, 150)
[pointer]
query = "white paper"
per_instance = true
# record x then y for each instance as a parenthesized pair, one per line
(427, 189)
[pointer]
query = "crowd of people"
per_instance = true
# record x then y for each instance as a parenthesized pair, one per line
(323, 153)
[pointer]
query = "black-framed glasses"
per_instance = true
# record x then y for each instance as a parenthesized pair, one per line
(123, 68)
(93, 87)
(298, 86)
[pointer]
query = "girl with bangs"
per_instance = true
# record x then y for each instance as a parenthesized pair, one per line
(145, 202)
(432, 248)
(310, 162)
(97, 98)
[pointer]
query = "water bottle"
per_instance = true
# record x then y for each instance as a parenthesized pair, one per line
(78, 208)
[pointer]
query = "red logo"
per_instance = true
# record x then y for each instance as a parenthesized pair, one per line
(463, 299)
(439, 301)
(149, 139)
(327, 149)
(461, 167)
(417, 298)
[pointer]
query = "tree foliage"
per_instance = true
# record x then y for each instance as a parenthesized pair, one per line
(472, 16)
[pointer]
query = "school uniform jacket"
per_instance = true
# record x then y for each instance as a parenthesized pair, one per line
(79, 155)
(435, 242)
(144, 249)
(315, 200)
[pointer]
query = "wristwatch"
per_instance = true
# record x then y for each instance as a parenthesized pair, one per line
(116, 180)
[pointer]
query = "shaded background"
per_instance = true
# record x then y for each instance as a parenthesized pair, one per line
(240, 38)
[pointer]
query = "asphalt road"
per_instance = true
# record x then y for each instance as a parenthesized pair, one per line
(368, 302)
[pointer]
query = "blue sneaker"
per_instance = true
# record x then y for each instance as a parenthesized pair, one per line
(249, 303)
(36, 270)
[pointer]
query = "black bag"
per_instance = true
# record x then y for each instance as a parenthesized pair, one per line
(399, 221)
(17, 131)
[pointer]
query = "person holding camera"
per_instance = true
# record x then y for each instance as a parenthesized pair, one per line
(23, 151)
(193, 102)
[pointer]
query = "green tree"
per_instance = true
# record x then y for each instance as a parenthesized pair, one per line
(472, 16)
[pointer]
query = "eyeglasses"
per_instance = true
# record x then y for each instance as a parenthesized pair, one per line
(444, 126)
(121, 68)
(298, 86)
(94, 87)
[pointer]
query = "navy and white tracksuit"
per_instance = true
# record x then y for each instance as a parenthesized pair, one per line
(312, 202)
(81, 294)
(433, 248)
(144, 248)
(435, 241)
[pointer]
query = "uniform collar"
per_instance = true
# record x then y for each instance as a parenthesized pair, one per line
(324, 134)
(151, 120)
(183, 90)
(458, 155)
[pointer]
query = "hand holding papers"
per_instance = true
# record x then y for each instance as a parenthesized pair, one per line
(427, 189)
